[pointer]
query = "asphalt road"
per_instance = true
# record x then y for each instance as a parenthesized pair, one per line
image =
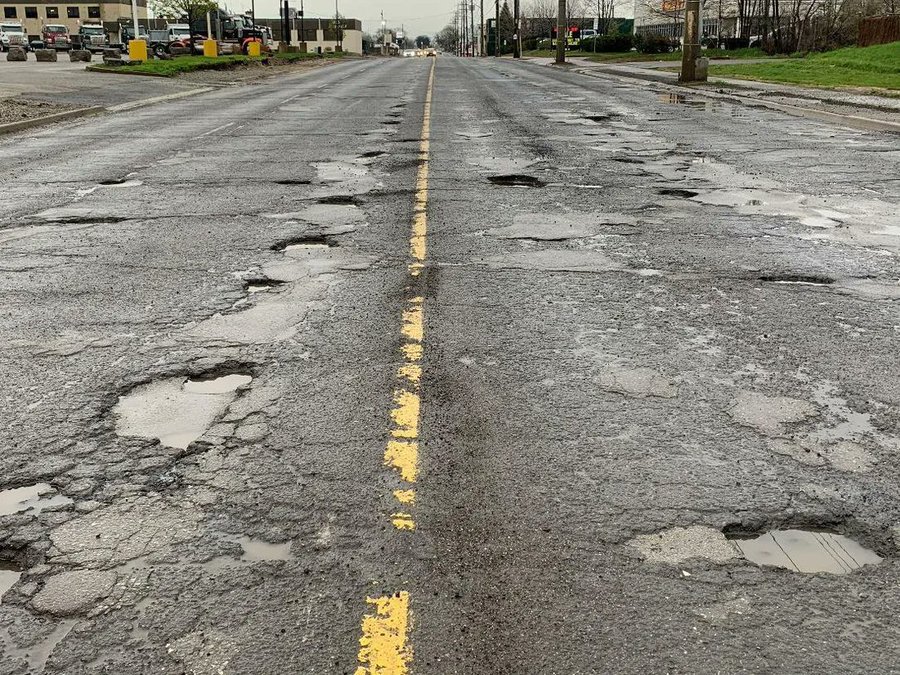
(449, 367)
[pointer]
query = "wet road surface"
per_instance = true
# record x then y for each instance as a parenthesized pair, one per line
(452, 367)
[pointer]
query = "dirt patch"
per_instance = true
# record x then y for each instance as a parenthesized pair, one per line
(17, 110)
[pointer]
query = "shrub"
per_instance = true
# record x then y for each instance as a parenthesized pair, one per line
(614, 42)
(652, 43)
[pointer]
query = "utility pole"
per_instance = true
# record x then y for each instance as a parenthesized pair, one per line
(517, 52)
(472, 24)
(302, 30)
(482, 44)
(562, 32)
(497, 32)
(690, 51)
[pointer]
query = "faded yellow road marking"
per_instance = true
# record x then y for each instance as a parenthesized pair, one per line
(383, 648)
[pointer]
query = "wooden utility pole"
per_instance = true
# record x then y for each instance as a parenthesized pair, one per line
(497, 32)
(482, 45)
(690, 50)
(517, 53)
(562, 32)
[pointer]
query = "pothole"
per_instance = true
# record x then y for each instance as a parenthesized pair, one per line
(293, 181)
(628, 160)
(804, 279)
(124, 182)
(253, 286)
(391, 122)
(9, 575)
(807, 551)
(338, 200)
(33, 498)
(516, 180)
(304, 241)
(596, 118)
(677, 192)
(177, 411)
(372, 153)
(257, 549)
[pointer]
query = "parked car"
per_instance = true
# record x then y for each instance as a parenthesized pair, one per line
(56, 36)
(12, 35)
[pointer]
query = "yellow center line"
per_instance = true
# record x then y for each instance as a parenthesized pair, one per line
(384, 646)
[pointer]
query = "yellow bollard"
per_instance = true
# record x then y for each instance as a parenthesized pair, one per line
(137, 50)
(210, 48)
(254, 49)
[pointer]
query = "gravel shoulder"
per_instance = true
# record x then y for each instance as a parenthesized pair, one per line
(19, 110)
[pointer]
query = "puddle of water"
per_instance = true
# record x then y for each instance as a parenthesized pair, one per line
(31, 498)
(9, 575)
(808, 552)
(176, 411)
(259, 287)
(306, 247)
(218, 385)
(256, 549)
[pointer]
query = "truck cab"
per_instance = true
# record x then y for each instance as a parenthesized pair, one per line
(93, 37)
(12, 34)
(56, 36)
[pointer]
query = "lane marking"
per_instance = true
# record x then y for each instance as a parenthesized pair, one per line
(384, 647)
(212, 131)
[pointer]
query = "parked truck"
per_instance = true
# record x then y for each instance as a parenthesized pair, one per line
(12, 34)
(93, 37)
(56, 36)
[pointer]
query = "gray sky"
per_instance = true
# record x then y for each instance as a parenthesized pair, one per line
(420, 17)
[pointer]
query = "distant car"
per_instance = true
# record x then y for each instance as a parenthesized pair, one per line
(409, 52)
(431, 52)
(56, 36)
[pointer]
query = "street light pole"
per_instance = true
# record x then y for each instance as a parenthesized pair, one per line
(562, 32)
(137, 32)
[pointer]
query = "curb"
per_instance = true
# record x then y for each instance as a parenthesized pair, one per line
(131, 105)
(49, 119)
(853, 121)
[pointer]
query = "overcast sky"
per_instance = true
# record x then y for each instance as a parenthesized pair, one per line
(420, 17)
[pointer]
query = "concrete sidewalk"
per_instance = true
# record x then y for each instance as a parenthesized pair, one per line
(810, 101)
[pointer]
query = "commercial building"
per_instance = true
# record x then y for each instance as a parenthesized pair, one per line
(34, 14)
(321, 34)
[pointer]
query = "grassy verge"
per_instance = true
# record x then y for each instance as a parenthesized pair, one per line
(875, 67)
(623, 57)
(190, 64)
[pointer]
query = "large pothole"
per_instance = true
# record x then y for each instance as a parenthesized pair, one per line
(32, 498)
(177, 411)
(805, 551)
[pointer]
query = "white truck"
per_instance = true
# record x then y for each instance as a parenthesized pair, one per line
(12, 34)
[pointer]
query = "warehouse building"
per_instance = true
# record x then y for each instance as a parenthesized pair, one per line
(34, 14)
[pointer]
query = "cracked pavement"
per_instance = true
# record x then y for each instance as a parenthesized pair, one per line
(663, 325)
